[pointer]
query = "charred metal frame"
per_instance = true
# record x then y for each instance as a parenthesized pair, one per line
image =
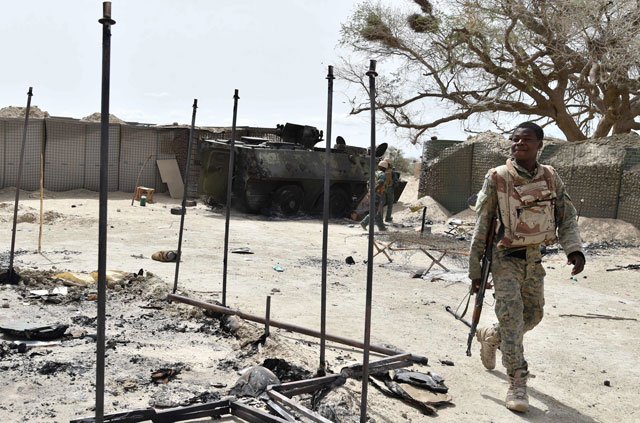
(379, 366)
(294, 328)
(184, 193)
(218, 409)
(11, 276)
(287, 402)
(306, 386)
(227, 215)
(106, 22)
(325, 221)
(280, 395)
(372, 210)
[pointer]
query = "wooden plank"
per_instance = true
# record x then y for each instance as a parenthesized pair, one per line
(170, 174)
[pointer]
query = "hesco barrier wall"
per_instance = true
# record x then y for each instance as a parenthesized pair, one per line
(602, 176)
(72, 153)
(10, 143)
(629, 199)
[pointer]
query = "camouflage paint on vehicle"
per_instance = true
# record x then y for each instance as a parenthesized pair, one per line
(286, 176)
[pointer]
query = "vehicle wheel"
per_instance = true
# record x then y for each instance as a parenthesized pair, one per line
(256, 196)
(287, 199)
(339, 202)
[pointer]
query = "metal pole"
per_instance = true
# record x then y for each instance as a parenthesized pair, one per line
(267, 317)
(106, 22)
(40, 228)
(325, 221)
(184, 194)
(424, 216)
(372, 193)
(293, 328)
(12, 277)
(232, 153)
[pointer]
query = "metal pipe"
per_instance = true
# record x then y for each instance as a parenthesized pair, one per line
(293, 328)
(372, 192)
(229, 188)
(11, 274)
(106, 22)
(325, 222)
(424, 216)
(184, 194)
(267, 317)
(40, 228)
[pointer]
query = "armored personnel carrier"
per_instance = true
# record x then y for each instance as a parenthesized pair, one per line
(285, 175)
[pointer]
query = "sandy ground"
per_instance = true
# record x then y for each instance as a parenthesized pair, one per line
(571, 357)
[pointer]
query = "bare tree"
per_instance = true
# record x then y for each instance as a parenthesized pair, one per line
(572, 63)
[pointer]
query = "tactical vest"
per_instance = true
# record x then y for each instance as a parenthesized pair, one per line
(388, 178)
(379, 182)
(526, 206)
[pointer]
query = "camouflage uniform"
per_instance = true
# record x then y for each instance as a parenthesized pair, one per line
(380, 181)
(518, 275)
(389, 195)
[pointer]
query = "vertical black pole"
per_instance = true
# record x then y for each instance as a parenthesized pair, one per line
(185, 181)
(325, 221)
(267, 317)
(106, 22)
(12, 277)
(424, 216)
(232, 153)
(372, 210)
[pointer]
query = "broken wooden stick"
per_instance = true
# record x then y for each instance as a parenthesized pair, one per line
(598, 316)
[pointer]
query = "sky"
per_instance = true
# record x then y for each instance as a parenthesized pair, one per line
(166, 53)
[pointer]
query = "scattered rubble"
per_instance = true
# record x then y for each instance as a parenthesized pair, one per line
(143, 366)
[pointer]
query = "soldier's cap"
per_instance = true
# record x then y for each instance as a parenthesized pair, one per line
(383, 164)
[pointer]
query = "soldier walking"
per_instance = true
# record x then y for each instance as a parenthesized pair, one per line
(533, 209)
(380, 179)
(389, 193)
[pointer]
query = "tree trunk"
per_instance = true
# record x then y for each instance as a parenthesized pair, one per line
(565, 122)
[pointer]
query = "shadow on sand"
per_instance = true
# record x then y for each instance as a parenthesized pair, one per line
(556, 410)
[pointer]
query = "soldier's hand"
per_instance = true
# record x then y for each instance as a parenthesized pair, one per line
(577, 259)
(475, 285)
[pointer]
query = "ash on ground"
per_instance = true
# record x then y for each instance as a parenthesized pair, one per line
(159, 354)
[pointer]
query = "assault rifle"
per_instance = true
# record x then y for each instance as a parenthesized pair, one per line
(484, 280)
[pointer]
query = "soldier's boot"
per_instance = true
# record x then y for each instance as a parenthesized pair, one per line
(517, 398)
(489, 342)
